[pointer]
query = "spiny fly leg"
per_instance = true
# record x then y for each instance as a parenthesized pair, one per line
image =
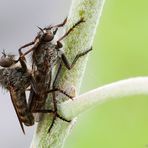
(54, 119)
(62, 24)
(58, 25)
(55, 115)
(50, 111)
(35, 43)
(24, 46)
(70, 66)
(54, 88)
(71, 29)
(61, 91)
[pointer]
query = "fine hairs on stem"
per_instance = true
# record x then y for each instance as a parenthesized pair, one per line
(116, 90)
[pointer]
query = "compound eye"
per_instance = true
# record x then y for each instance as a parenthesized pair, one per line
(48, 37)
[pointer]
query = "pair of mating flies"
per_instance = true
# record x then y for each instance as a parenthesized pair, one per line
(46, 54)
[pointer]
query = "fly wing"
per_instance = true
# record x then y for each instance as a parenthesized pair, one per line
(33, 104)
(33, 94)
(13, 99)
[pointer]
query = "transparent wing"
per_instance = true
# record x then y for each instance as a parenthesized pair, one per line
(13, 99)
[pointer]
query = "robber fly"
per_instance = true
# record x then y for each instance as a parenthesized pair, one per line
(46, 54)
(16, 79)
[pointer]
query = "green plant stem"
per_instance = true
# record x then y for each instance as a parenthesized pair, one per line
(120, 89)
(78, 41)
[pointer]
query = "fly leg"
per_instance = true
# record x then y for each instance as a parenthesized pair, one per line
(24, 46)
(35, 43)
(55, 89)
(61, 24)
(58, 25)
(71, 29)
(55, 113)
(49, 111)
(70, 66)
(61, 91)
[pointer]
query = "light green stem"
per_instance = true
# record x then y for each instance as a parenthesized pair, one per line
(116, 90)
(79, 40)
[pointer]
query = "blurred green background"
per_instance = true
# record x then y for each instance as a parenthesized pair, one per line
(120, 52)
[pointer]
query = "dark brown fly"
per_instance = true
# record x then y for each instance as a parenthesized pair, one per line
(46, 53)
(16, 80)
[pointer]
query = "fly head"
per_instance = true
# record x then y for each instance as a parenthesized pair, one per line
(7, 60)
(47, 34)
